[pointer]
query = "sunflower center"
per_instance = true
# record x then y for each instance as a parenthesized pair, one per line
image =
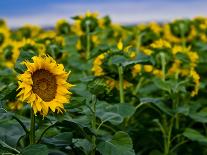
(44, 84)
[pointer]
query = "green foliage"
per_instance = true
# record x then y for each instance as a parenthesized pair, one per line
(138, 89)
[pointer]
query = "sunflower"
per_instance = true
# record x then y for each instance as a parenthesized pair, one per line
(44, 85)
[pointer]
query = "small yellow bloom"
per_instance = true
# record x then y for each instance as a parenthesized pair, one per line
(98, 71)
(147, 51)
(127, 84)
(120, 45)
(176, 49)
(196, 79)
(111, 83)
(132, 55)
(15, 105)
(160, 44)
(148, 68)
(155, 27)
(157, 73)
(136, 69)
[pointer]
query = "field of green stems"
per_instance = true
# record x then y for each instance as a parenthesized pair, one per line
(94, 87)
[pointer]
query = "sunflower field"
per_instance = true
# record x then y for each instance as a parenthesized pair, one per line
(94, 87)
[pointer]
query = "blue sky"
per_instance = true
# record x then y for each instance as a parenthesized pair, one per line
(47, 12)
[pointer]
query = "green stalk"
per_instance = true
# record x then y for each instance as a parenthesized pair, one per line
(138, 41)
(88, 43)
(137, 89)
(176, 116)
(182, 36)
(32, 128)
(163, 63)
(121, 84)
(93, 125)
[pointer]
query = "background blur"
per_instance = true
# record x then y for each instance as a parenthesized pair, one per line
(47, 12)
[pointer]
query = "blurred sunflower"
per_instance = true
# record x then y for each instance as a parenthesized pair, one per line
(44, 85)
(4, 35)
(62, 27)
(10, 53)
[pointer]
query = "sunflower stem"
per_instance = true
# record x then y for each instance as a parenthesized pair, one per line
(32, 128)
(135, 91)
(182, 35)
(138, 43)
(121, 84)
(93, 125)
(163, 63)
(88, 44)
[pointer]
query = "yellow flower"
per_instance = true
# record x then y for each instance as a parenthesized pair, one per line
(98, 60)
(60, 22)
(95, 39)
(157, 73)
(47, 34)
(193, 56)
(203, 26)
(196, 79)
(76, 28)
(28, 42)
(168, 35)
(111, 83)
(44, 85)
(175, 68)
(35, 30)
(203, 37)
(136, 69)
(10, 52)
(60, 40)
(126, 84)
(120, 45)
(176, 49)
(94, 14)
(155, 27)
(4, 35)
(147, 51)
(160, 44)
(98, 71)
(15, 105)
(148, 68)
(132, 55)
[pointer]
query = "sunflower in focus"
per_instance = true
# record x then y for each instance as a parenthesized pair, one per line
(44, 85)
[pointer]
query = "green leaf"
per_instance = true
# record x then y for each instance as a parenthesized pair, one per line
(117, 60)
(199, 117)
(76, 126)
(183, 57)
(194, 135)
(60, 140)
(120, 144)
(84, 145)
(8, 92)
(125, 110)
(162, 84)
(111, 117)
(140, 60)
(35, 149)
(155, 152)
(4, 145)
(158, 103)
(10, 130)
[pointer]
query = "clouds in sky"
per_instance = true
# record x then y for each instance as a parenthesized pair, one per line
(46, 13)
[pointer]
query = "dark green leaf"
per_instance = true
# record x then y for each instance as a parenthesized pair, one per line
(194, 135)
(120, 144)
(61, 140)
(35, 149)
